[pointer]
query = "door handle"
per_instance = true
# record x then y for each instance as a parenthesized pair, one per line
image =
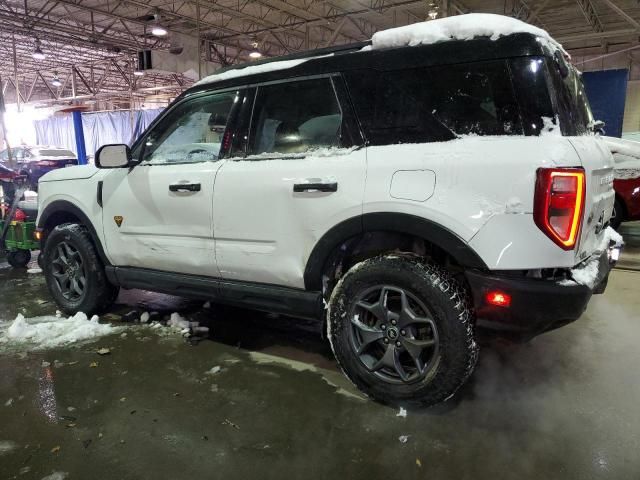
(319, 187)
(184, 187)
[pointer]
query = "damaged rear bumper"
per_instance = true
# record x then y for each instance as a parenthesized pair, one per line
(536, 305)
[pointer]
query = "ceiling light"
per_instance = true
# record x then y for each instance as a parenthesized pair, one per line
(38, 54)
(159, 30)
(255, 54)
(56, 81)
(138, 73)
(432, 12)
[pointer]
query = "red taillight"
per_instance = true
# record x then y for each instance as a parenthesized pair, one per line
(498, 298)
(558, 204)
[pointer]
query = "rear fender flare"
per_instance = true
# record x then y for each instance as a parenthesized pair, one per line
(387, 222)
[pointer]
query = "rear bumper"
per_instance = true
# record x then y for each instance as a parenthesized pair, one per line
(537, 305)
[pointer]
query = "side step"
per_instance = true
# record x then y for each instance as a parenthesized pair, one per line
(259, 296)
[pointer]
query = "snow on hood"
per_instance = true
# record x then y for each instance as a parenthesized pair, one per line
(626, 157)
(254, 70)
(78, 172)
(41, 333)
(459, 27)
(629, 148)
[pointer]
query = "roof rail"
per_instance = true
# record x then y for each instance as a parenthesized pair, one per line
(299, 55)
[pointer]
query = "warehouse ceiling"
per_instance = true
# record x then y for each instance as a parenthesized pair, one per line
(91, 45)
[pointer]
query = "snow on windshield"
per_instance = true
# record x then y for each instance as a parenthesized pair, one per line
(459, 27)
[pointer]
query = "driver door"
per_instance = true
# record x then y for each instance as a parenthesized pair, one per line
(158, 215)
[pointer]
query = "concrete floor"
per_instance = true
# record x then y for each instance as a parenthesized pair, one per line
(563, 406)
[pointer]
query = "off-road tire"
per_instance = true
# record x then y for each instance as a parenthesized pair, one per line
(19, 258)
(445, 297)
(98, 294)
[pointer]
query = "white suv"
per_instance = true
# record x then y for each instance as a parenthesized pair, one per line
(406, 191)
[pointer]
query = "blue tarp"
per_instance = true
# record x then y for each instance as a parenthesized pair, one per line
(607, 93)
(99, 129)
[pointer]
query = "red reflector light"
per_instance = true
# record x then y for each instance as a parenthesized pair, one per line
(559, 203)
(46, 163)
(498, 298)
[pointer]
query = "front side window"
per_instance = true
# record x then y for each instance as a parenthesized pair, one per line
(193, 131)
(295, 117)
(434, 104)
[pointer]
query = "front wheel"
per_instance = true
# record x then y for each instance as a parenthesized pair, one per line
(74, 273)
(402, 330)
(19, 258)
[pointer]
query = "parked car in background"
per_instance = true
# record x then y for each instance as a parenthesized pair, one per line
(626, 156)
(35, 161)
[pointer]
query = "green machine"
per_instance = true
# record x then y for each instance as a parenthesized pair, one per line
(17, 234)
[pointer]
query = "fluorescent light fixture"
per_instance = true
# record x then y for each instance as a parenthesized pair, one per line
(159, 31)
(138, 73)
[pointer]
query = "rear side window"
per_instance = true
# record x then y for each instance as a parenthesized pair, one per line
(432, 104)
(295, 117)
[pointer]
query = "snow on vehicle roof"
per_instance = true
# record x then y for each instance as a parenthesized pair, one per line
(252, 70)
(459, 27)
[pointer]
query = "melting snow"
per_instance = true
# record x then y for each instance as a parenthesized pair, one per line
(6, 446)
(587, 274)
(459, 27)
(49, 331)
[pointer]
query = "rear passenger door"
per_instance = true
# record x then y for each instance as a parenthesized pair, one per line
(299, 172)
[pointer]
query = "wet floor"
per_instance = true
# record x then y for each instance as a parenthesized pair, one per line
(563, 406)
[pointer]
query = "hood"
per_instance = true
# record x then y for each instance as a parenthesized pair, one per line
(79, 172)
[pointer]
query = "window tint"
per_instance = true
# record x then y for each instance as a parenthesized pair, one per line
(432, 104)
(193, 131)
(295, 117)
(530, 82)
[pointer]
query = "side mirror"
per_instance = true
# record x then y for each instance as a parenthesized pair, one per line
(598, 127)
(113, 156)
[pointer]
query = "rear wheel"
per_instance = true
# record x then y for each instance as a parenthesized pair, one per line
(402, 331)
(74, 273)
(19, 258)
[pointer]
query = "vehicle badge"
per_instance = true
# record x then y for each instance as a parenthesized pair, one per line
(118, 219)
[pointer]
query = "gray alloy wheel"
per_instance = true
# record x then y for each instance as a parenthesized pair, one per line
(393, 334)
(69, 271)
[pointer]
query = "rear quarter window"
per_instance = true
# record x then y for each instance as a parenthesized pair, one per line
(432, 104)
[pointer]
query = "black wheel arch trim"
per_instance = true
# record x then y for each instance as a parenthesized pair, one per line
(68, 207)
(387, 222)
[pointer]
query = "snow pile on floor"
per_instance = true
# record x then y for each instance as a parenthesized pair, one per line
(178, 324)
(51, 331)
(459, 27)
